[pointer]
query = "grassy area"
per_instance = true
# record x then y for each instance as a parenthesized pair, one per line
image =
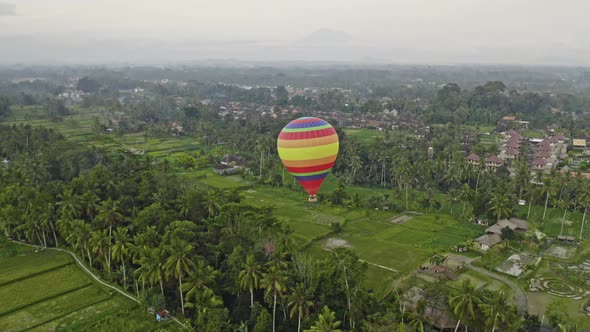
(211, 179)
(481, 281)
(552, 224)
(403, 247)
(363, 135)
(46, 290)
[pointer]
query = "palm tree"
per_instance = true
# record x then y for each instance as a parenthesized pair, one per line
(89, 203)
(47, 219)
(212, 203)
(99, 243)
(562, 204)
(548, 191)
(496, 310)
(249, 277)
(584, 198)
(273, 281)
(465, 303)
(501, 203)
(298, 302)
(80, 238)
(69, 204)
(121, 249)
(178, 263)
(417, 319)
(326, 322)
(522, 177)
(201, 277)
(110, 215)
(204, 299)
(465, 194)
(531, 194)
(151, 268)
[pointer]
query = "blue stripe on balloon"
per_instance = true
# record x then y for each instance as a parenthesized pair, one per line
(312, 177)
(306, 124)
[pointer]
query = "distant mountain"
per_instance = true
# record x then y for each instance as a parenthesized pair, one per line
(325, 37)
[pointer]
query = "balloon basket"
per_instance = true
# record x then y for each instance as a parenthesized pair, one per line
(312, 198)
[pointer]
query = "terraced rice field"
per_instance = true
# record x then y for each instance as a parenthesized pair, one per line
(46, 291)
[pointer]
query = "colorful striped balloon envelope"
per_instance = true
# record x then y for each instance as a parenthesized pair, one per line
(308, 148)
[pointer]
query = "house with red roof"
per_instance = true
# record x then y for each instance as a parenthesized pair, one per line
(493, 162)
(539, 164)
(473, 159)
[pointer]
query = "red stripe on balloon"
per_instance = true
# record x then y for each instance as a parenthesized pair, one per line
(305, 120)
(312, 187)
(309, 169)
(307, 134)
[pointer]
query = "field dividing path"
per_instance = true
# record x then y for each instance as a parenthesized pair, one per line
(93, 275)
(377, 265)
(380, 266)
(521, 300)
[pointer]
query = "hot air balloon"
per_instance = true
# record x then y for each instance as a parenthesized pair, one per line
(308, 148)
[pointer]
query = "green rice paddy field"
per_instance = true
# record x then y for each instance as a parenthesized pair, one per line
(45, 290)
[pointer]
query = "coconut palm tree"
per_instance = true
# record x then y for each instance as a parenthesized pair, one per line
(562, 204)
(522, 177)
(109, 213)
(273, 282)
(178, 263)
(79, 239)
(69, 204)
(465, 194)
(501, 203)
(548, 191)
(584, 199)
(249, 277)
(531, 193)
(122, 249)
(326, 322)
(496, 310)
(151, 268)
(299, 303)
(99, 245)
(464, 303)
(417, 318)
(201, 277)
(89, 203)
(203, 300)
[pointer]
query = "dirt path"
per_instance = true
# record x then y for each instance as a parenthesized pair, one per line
(521, 300)
(380, 266)
(95, 277)
(364, 261)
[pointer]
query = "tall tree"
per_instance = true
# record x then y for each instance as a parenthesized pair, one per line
(300, 304)
(273, 282)
(121, 249)
(179, 263)
(326, 322)
(109, 214)
(464, 304)
(496, 310)
(249, 277)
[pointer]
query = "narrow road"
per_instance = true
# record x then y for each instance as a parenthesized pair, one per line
(81, 264)
(521, 300)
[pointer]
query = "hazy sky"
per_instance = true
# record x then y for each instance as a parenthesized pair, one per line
(424, 31)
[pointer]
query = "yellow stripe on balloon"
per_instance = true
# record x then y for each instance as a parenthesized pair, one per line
(314, 152)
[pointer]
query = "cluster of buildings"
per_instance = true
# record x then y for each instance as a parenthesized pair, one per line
(493, 234)
(541, 154)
